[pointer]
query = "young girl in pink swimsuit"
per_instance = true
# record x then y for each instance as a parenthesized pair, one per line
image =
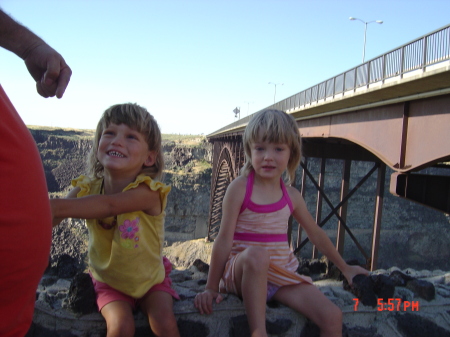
(251, 256)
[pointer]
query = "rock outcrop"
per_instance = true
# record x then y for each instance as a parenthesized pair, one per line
(66, 307)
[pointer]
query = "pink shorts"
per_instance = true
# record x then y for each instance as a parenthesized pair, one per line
(106, 294)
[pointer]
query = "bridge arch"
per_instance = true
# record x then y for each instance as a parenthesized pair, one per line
(226, 169)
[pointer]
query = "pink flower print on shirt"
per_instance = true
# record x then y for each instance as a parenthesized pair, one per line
(129, 228)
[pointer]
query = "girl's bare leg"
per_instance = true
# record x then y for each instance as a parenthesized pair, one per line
(311, 302)
(158, 306)
(119, 319)
(251, 280)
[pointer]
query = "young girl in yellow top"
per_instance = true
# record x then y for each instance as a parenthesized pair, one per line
(124, 204)
(251, 256)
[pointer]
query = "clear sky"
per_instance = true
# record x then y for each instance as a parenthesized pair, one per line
(191, 62)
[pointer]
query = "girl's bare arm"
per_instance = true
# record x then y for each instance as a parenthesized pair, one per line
(72, 194)
(222, 245)
(140, 198)
(319, 238)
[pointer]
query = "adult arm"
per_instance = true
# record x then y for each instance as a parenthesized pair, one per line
(47, 67)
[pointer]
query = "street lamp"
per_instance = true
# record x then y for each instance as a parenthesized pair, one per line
(365, 30)
(274, 95)
(248, 105)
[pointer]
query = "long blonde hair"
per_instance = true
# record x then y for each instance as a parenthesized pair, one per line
(137, 118)
(273, 126)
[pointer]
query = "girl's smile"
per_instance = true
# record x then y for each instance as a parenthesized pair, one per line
(123, 148)
(115, 154)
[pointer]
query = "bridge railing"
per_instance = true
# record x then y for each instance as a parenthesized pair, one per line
(421, 53)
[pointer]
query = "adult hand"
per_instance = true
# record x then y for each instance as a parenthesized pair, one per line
(203, 301)
(49, 70)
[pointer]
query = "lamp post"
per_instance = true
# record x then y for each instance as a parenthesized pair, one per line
(275, 93)
(248, 105)
(365, 30)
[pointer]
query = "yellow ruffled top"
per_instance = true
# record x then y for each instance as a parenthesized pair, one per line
(126, 253)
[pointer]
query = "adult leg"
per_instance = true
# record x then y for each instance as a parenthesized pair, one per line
(311, 302)
(119, 319)
(250, 272)
(158, 306)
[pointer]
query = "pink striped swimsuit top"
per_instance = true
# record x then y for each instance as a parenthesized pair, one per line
(249, 226)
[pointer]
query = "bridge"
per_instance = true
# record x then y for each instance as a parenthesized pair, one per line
(392, 111)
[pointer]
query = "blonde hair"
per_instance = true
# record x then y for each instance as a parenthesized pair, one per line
(139, 119)
(273, 126)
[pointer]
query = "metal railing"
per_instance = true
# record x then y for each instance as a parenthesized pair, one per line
(421, 53)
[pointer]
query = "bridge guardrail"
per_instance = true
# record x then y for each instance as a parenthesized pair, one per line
(421, 53)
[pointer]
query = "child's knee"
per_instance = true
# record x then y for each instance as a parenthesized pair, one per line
(163, 316)
(256, 258)
(165, 324)
(120, 328)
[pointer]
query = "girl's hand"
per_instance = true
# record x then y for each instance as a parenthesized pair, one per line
(351, 271)
(203, 301)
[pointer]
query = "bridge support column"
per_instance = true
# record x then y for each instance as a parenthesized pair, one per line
(303, 193)
(323, 161)
(343, 210)
(377, 216)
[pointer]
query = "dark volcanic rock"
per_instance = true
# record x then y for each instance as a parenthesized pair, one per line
(81, 297)
(399, 278)
(69, 238)
(312, 330)
(317, 267)
(239, 326)
(360, 331)
(383, 287)
(422, 289)
(66, 266)
(279, 327)
(418, 326)
(201, 266)
(192, 329)
(362, 288)
(39, 331)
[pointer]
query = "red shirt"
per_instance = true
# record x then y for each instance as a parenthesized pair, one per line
(25, 222)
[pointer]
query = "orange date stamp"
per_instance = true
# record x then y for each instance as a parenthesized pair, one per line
(392, 304)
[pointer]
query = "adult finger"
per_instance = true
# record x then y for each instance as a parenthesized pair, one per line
(46, 91)
(52, 72)
(63, 80)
